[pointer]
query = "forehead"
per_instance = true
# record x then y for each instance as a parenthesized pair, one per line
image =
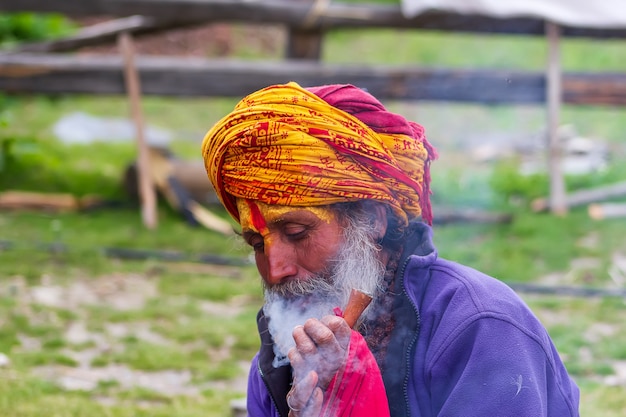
(256, 215)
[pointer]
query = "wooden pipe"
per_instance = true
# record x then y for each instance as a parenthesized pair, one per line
(357, 303)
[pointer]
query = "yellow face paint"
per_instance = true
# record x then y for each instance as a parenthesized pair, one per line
(255, 215)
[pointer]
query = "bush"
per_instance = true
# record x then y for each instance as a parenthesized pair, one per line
(17, 27)
(511, 187)
(45, 165)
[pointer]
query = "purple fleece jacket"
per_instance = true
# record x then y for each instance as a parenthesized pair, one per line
(464, 345)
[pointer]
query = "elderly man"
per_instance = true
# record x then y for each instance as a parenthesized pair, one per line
(332, 193)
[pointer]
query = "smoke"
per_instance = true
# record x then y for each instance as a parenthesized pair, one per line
(290, 304)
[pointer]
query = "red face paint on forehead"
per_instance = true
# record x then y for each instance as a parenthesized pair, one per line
(257, 219)
(255, 216)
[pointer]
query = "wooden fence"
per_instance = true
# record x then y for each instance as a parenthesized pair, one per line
(27, 72)
(35, 68)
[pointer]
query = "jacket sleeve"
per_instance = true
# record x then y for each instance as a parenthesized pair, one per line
(512, 370)
(357, 389)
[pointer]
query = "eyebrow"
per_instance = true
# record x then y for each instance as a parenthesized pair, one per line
(248, 233)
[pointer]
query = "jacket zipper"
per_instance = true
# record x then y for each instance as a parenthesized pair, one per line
(267, 386)
(405, 387)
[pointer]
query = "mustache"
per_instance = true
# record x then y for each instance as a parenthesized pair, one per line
(300, 287)
(355, 260)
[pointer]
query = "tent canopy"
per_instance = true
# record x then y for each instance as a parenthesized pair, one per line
(601, 14)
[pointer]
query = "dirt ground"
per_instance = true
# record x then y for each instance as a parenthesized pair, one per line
(122, 292)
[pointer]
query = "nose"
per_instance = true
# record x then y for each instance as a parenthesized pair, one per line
(281, 261)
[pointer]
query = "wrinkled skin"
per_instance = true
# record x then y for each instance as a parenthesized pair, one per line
(321, 350)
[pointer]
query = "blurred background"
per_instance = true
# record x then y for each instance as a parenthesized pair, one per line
(110, 307)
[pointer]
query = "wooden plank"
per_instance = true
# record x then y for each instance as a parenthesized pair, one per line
(305, 41)
(97, 34)
(176, 76)
(304, 44)
(606, 210)
(448, 216)
(565, 290)
(147, 192)
(178, 196)
(580, 86)
(334, 16)
(587, 196)
(28, 200)
(174, 256)
(553, 99)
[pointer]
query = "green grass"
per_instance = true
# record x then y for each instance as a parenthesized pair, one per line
(463, 50)
(109, 228)
(535, 245)
(208, 345)
(27, 397)
(521, 251)
(602, 400)
(589, 334)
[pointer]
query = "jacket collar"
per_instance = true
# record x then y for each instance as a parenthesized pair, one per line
(277, 380)
(418, 247)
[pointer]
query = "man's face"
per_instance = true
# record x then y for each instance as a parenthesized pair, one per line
(290, 243)
(318, 263)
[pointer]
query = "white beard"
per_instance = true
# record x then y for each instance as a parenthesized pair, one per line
(292, 303)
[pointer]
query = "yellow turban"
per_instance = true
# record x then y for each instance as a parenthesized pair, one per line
(286, 145)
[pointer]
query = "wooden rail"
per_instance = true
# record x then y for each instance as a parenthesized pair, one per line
(50, 74)
(298, 15)
(55, 74)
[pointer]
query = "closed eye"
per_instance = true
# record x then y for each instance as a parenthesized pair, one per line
(255, 240)
(295, 232)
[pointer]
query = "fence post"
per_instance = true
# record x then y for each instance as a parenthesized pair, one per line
(305, 42)
(558, 204)
(147, 193)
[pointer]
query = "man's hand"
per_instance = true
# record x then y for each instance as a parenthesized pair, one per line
(321, 350)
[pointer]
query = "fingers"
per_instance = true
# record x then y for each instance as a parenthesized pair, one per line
(319, 332)
(304, 343)
(327, 331)
(298, 363)
(314, 407)
(340, 329)
(305, 398)
(322, 346)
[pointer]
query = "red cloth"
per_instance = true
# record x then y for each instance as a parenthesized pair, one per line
(373, 113)
(357, 390)
(367, 109)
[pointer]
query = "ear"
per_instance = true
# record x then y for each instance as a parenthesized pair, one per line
(379, 221)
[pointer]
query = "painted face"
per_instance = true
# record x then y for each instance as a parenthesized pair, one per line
(289, 242)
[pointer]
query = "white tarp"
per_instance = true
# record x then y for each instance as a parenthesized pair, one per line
(607, 14)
